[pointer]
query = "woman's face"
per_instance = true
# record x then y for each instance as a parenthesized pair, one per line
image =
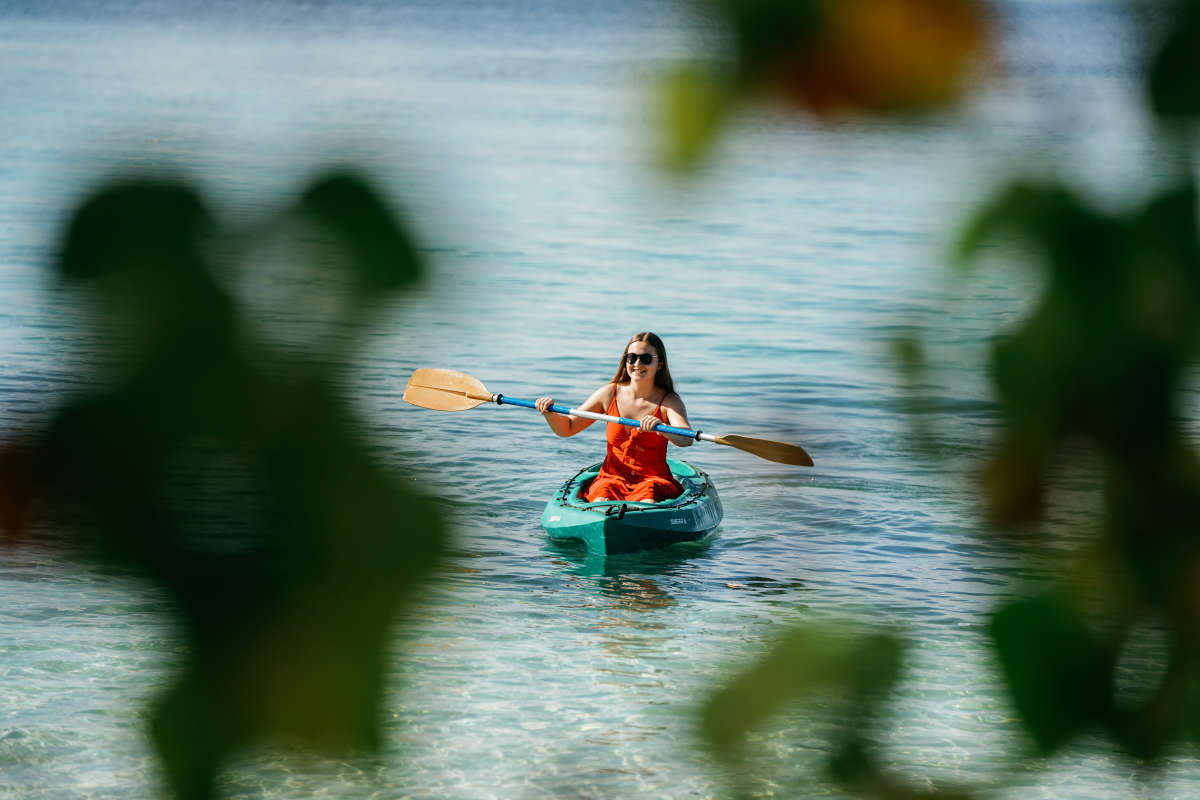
(637, 370)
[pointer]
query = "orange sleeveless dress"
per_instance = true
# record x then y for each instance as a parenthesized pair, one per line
(635, 464)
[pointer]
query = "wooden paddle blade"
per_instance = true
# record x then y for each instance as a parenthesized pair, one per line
(445, 390)
(779, 452)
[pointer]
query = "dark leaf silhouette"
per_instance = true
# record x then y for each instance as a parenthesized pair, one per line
(247, 496)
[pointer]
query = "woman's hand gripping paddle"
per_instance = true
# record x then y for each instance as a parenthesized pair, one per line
(447, 390)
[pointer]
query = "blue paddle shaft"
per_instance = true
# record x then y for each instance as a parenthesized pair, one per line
(633, 423)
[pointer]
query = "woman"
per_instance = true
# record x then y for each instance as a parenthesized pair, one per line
(635, 463)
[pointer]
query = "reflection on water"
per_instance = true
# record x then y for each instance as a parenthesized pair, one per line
(627, 581)
(672, 560)
(634, 593)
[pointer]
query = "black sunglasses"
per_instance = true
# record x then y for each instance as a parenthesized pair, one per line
(645, 358)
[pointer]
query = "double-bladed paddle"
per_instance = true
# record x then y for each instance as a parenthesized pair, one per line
(447, 390)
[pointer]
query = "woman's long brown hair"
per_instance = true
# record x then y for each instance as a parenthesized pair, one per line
(662, 378)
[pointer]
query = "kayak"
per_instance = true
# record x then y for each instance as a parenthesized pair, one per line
(609, 527)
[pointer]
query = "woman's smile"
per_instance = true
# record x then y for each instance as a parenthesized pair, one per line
(635, 361)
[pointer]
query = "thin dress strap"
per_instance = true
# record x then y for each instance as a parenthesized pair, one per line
(660, 402)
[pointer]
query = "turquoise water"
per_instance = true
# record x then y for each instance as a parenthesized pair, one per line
(517, 139)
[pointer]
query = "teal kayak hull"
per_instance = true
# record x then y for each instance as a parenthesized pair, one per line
(612, 527)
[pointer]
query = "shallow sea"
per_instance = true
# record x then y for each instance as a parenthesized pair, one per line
(518, 140)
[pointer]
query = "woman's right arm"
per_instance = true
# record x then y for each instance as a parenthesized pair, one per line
(569, 426)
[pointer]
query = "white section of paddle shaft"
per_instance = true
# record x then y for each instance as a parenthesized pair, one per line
(575, 412)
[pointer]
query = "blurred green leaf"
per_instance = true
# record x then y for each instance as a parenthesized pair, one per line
(908, 354)
(765, 31)
(1172, 85)
(848, 673)
(1059, 674)
(695, 102)
(383, 255)
(808, 662)
(1102, 353)
(134, 225)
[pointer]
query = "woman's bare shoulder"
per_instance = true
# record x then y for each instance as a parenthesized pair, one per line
(674, 402)
(602, 396)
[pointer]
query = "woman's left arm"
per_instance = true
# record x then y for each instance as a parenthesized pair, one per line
(676, 415)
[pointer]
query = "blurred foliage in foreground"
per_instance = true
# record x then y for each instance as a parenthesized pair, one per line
(1102, 360)
(833, 58)
(231, 475)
